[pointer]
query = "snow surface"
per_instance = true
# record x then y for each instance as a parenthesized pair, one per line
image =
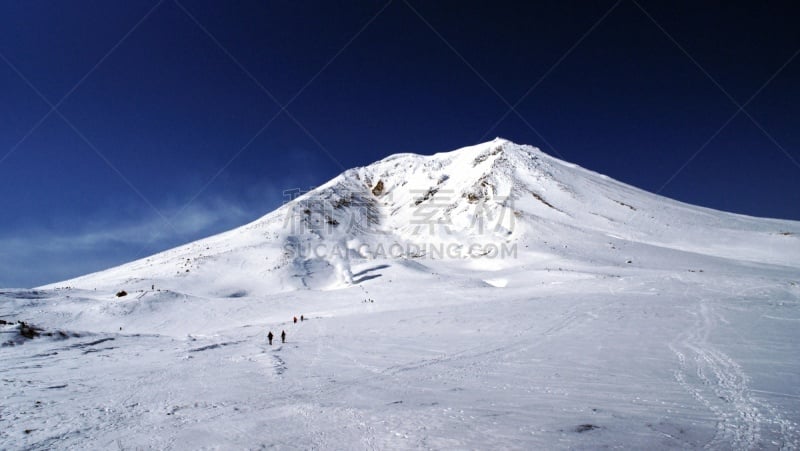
(617, 318)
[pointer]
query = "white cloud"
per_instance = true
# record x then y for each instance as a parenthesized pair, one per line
(41, 255)
(150, 229)
(103, 238)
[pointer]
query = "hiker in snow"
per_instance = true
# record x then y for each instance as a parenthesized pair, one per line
(283, 336)
(295, 320)
(269, 337)
(302, 318)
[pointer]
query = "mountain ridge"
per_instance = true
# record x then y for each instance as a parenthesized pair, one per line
(584, 313)
(482, 197)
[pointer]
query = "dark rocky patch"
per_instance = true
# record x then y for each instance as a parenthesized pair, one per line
(378, 189)
(586, 427)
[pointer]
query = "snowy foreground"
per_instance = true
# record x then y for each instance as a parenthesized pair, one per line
(624, 320)
(651, 359)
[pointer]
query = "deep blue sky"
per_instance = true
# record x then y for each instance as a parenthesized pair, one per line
(155, 111)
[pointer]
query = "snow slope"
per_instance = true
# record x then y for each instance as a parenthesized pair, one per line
(495, 194)
(488, 297)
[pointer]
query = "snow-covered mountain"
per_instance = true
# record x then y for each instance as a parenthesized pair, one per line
(491, 297)
(486, 207)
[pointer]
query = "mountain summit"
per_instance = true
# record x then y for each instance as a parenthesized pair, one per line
(488, 297)
(495, 205)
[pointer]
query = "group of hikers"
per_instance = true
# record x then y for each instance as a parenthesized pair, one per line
(283, 332)
(283, 337)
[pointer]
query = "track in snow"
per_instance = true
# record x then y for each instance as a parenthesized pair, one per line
(719, 383)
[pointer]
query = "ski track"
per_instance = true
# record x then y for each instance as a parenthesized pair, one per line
(721, 385)
(307, 367)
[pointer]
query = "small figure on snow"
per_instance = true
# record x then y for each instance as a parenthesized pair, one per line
(302, 318)
(269, 337)
(283, 336)
(295, 320)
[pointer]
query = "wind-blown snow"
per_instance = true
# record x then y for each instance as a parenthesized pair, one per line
(489, 297)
